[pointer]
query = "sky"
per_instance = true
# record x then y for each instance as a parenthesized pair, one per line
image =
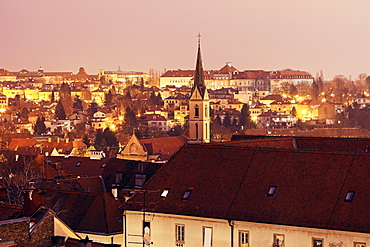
(136, 35)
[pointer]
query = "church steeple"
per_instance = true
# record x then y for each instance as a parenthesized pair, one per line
(199, 111)
(199, 74)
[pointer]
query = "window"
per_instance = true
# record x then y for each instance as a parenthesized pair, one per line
(349, 196)
(186, 194)
(180, 234)
(78, 164)
(103, 165)
(359, 244)
(272, 190)
(146, 238)
(243, 239)
(165, 193)
(207, 236)
(318, 242)
(279, 240)
(196, 111)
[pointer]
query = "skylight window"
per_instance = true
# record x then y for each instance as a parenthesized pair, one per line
(165, 193)
(78, 164)
(349, 196)
(271, 191)
(186, 194)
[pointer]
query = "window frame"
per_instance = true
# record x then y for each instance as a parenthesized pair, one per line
(276, 235)
(272, 189)
(317, 239)
(355, 244)
(241, 244)
(178, 240)
(204, 235)
(349, 196)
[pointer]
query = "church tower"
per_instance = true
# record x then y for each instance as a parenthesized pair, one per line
(199, 115)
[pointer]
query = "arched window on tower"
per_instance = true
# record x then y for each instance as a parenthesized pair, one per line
(196, 111)
(206, 111)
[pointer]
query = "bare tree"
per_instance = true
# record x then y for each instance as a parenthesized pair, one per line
(18, 177)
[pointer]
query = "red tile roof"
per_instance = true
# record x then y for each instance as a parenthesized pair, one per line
(165, 146)
(89, 212)
(232, 183)
(9, 212)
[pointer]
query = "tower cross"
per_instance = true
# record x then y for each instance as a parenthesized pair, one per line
(199, 37)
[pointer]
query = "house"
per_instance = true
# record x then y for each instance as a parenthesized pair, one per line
(174, 101)
(234, 115)
(275, 120)
(180, 114)
(125, 77)
(222, 195)
(153, 123)
(17, 228)
(156, 149)
(176, 77)
(251, 80)
(282, 107)
(288, 76)
(5, 75)
(308, 109)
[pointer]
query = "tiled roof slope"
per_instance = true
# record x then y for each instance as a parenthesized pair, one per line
(80, 166)
(88, 212)
(166, 146)
(83, 184)
(232, 183)
(359, 145)
(9, 212)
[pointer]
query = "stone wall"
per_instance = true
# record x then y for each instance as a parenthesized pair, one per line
(15, 230)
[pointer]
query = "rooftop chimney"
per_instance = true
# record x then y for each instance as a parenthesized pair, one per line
(85, 242)
(33, 199)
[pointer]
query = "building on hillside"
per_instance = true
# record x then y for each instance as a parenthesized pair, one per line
(5, 75)
(232, 114)
(3, 103)
(81, 76)
(275, 120)
(362, 102)
(199, 108)
(153, 123)
(180, 114)
(174, 101)
(282, 107)
(255, 196)
(157, 110)
(308, 110)
(251, 80)
(154, 150)
(125, 77)
(289, 77)
(177, 78)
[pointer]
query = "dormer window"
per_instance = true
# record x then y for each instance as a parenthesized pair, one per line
(103, 165)
(272, 191)
(78, 164)
(349, 196)
(186, 194)
(165, 193)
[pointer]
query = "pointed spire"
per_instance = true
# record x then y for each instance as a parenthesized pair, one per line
(199, 74)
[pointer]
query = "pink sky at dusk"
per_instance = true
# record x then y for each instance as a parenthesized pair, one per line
(328, 35)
